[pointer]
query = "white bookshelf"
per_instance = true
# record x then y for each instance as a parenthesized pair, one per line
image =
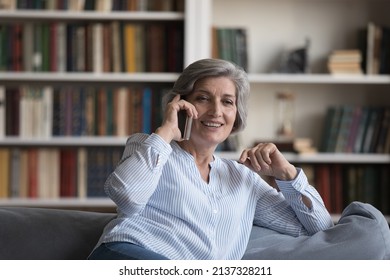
(277, 27)
(195, 47)
(274, 27)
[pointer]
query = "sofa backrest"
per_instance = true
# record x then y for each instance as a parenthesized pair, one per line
(49, 234)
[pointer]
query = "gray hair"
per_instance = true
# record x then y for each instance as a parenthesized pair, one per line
(204, 68)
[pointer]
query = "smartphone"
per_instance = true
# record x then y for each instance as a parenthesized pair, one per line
(185, 124)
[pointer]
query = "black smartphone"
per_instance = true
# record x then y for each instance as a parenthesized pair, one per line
(185, 124)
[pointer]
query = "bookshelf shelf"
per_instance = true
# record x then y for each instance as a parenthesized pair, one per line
(91, 77)
(325, 158)
(339, 158)
(84, 77)
(45, 15)
(84, 141)
(319, 79)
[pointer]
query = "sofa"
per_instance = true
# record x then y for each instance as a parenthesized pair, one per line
(53, 234)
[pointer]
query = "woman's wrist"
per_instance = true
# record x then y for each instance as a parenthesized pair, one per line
(289, 175)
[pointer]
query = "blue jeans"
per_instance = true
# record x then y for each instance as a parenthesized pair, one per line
(123, 251)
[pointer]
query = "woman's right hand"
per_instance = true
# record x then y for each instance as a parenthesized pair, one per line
(169, 129)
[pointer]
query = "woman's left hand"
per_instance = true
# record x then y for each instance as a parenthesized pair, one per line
(267, 160)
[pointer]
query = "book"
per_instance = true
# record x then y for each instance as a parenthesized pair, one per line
(323, 184)
(122, 107)
(336, 188)
(82, 172)
(14, 173)
(97, 47)
(378, 127)
(356, 119)
(129, 33)
(360, 134)
(384, 192)
(32, 180)
(370, 48)
(326, 129)
(61, 42)
(80, 49)
(116, 47)
(107, 47)
(332, 129)
(17, 48)
(98, 171)
(4, 172)
(23, 174)
(346, 55)
(110, 124)
(102, 112)
(384, 67)
(147, 110)
(155, 47)
(370, 185)
(90, 111)
(28, 41)
(175, 39)
(47, 112)
(374, 116)
(383, 133)
(68, 172)
(344, 130)
(2, 112)
(139, 48)
(230, 43)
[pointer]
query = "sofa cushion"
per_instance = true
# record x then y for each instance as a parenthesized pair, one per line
(49, 234)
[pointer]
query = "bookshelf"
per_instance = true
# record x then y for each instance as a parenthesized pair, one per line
(180, 14)
(275, 28)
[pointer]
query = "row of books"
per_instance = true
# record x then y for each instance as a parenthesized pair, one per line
(356, 129)
(96, 5)
(340, 184)
(374, 43)
(56, 172)
(37, 112)
(230, 44)
(115, 46)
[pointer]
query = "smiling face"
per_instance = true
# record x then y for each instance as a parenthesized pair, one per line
(215, 101)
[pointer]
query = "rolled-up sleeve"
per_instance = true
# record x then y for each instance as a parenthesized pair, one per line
(135, 178)
(314, 218)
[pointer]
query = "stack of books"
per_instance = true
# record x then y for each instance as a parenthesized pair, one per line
(345, 62)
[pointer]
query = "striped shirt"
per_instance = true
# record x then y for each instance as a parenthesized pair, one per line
(165, 206)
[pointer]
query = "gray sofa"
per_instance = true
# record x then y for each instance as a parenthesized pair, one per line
(48, 234)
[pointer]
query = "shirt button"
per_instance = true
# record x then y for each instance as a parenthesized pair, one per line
(215, 211)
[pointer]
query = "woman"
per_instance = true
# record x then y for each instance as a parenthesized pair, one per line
(176, 199)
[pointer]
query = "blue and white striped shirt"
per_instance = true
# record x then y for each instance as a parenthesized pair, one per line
(165, 206)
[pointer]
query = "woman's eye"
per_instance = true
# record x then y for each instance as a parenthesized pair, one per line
(201, 98)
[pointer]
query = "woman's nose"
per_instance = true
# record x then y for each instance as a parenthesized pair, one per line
(215, 109)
